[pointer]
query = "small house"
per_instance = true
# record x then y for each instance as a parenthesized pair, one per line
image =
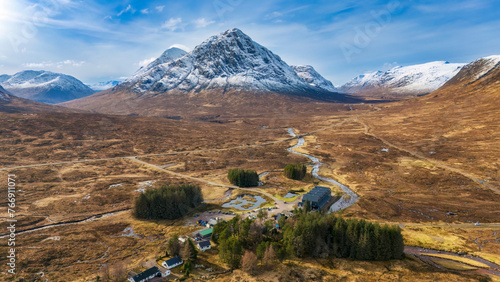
(146, 275)
(173, 262)
(204, 245)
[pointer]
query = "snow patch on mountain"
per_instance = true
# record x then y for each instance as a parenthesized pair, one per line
(311, 76)
(45, 86)
(101, 86)
(488, 63)
(228, 60)
(416, 79)
(169, 55)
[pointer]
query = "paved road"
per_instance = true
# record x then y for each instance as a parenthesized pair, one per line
(420, 253)
(436, 163)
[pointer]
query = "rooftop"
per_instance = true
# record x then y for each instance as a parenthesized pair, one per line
(204, 244)
(206, 232)
(145, 274)
(174, 260)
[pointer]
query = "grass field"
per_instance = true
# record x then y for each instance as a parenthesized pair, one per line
(458, 259)
(453, 265)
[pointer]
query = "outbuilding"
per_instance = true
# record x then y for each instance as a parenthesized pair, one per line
(204, 245)
(146, 275)
(173, 262)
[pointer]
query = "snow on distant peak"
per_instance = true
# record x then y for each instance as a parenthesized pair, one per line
(171, 54)
(45, 86)
(415, 79)
(311, 76)
(101, 86)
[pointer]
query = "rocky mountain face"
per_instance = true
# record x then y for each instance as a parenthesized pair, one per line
(475, 71)
(311, 76)
(45, 86)
(403, 81)
(4, 96)
(230, 60)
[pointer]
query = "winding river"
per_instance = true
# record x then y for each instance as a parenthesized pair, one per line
(348, 199)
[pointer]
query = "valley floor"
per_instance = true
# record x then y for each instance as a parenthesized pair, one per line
(68, 178)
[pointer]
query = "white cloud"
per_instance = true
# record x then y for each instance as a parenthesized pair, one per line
(128, 9)
(145, 11)
(159, 8)
(172, 24)
(58, 65)
(145, 62)
(180, 46)
(202, 22)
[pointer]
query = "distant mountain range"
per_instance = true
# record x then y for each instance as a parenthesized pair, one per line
(100, 86)
(229, 62)
(403, 81)
(44, 86)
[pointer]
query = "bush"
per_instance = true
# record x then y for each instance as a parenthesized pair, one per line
(295, 171)
(243, 178)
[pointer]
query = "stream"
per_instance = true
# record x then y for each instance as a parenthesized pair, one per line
(348, 199)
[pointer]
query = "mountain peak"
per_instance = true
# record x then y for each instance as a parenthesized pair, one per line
(228, 60)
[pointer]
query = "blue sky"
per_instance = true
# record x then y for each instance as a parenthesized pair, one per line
(105, 40)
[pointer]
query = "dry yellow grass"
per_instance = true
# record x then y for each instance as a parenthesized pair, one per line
(470, 262)
(452, 265)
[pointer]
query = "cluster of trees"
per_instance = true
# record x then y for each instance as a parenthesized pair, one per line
(167, 202)
(243, 178)
(295, 171)
(187, 251)
(306, 234)
(317, 235)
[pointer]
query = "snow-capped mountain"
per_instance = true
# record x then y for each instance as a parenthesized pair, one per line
(100, 86)
(403, 81)
(311, 76)
(169, 55)
(45, 86)
(484, 65)
(477, 72)
(230, 60)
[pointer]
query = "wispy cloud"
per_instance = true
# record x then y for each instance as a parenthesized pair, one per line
(159, 8)
(145, 62)
(145, 11)
(202, 22)
(172, 24)
(61, 64)
(127, 9)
